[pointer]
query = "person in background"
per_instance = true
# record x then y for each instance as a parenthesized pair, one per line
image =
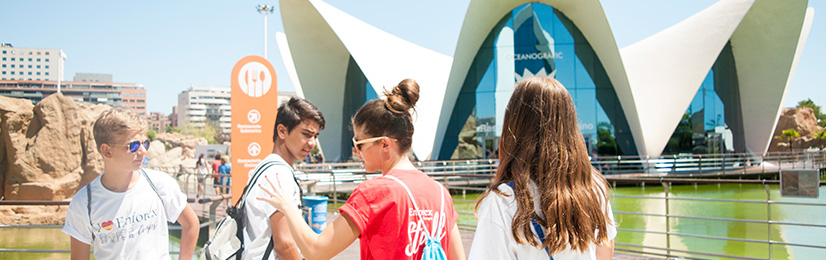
(201, 173)
(297, 126)
(546, 200)
(226, 179)
(380, 212)
(123, 213)
(216, 176)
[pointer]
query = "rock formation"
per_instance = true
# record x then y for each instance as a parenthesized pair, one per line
(186, 142)
(801, 120)
(47, 152)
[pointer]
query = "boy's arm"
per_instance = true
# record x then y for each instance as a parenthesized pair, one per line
(189, 232)
(79, 250)
(282, 240)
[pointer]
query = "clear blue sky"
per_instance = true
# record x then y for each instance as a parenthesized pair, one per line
(170, 45)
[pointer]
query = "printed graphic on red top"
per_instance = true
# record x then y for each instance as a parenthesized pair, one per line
(383, 213)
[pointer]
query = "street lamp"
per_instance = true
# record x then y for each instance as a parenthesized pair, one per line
(265, 10)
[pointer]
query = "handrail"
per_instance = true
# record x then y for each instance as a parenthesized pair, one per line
(454, 173)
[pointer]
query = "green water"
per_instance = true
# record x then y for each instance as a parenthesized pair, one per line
(714, 228)
(55, 239)
(46, 238)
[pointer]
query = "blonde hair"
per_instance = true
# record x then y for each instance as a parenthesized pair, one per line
(117, 122)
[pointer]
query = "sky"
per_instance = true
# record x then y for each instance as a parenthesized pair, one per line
(168, 46)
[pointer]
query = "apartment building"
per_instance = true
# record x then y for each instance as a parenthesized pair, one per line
(200, 105)
(31, 64)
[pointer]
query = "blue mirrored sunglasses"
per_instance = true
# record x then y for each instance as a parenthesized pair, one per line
(135, 145)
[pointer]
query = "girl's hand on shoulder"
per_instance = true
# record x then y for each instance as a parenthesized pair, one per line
(277, 198)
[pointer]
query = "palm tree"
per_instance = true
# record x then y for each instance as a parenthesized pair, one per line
(789, 134)
(821, 136)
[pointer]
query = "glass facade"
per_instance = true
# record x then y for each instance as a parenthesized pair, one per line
(357, 91)
(713, 121)
(534, 40)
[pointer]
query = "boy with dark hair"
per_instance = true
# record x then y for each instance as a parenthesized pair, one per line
(296, 131)
(124, 212)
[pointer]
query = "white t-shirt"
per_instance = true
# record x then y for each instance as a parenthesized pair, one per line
(257, 231)
(130, 224)
(494, 239)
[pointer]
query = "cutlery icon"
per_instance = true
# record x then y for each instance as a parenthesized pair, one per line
(254, 90)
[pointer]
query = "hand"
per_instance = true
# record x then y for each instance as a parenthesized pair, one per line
(277, 198)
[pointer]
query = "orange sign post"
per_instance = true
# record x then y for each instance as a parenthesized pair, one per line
(254, 100)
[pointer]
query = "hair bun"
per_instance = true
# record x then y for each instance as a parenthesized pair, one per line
(403, 97)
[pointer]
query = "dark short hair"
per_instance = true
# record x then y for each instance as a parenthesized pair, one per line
(293, 112)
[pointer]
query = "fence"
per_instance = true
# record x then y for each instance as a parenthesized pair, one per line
(461, 176)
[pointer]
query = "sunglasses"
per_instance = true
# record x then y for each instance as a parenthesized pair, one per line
(133, 146)
(358, 144)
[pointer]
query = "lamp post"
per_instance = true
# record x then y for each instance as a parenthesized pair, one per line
(265, 10)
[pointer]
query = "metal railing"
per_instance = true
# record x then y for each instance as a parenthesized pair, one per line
(461, 176)
(669, 251)
(710, 164)
(475, 175)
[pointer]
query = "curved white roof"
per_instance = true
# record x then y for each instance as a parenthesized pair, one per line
(321, 39)
(587, 15)
(655, 79)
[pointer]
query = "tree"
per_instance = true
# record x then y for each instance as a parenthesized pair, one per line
(606, 144)
(151, 134)
(821, 137)
(206, 130)
(170, 129)
(680, 141)
(821, 118)
(789, 134)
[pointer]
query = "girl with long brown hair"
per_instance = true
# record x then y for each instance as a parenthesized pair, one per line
(546, 199)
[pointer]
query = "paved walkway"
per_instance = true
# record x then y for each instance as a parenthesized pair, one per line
(352, 252)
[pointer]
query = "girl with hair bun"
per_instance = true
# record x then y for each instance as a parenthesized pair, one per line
(392, 215)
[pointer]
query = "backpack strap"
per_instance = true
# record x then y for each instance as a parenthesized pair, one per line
(163, 205)
(89, 207)
(536, 226)
(271, 245)
(416, 207)
(242, 200)
(237, 210)
(297, 184)
(89, 198)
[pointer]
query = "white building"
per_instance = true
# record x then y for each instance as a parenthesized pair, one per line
(197, 105)
(712, 83)
(34, 64)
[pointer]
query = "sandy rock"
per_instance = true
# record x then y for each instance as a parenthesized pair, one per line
(14, 114)
(33, 215)
(801, 120)
(49, 149)
(156, 148)
(168, 160)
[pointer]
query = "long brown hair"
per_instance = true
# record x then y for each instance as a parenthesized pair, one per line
(541, 142)
(391, 117)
